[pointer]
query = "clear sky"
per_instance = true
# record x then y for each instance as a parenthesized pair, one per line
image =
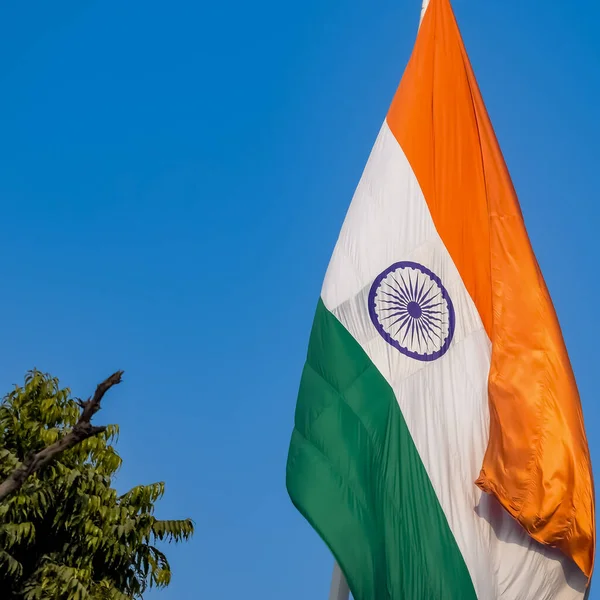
(173, 176)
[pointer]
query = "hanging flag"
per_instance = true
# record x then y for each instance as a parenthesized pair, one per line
(439, 447)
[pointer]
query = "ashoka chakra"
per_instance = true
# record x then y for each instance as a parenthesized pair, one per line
(412, 311)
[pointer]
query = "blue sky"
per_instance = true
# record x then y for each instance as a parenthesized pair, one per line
(165, 167)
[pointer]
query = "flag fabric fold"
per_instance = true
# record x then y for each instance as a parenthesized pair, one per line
(439, 447)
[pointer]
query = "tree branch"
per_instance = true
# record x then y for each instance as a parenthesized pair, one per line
(82, 430)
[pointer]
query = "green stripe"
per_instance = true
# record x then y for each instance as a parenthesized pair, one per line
(355, 474)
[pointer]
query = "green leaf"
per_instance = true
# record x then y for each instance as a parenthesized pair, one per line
(67, 534)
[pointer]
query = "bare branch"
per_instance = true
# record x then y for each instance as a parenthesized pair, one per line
(82, 430)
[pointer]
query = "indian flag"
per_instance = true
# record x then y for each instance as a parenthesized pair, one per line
(439, 447)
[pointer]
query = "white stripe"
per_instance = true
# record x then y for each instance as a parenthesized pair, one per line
(444, 402)
(423, 9)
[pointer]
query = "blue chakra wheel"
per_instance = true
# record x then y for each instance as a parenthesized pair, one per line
(412, 311)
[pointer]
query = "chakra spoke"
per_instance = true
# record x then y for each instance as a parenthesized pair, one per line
(428, 334)
(430, 308)
(420, 297)
(395, 307)
(407, 330)
(418, 328)
(431, 319)
(429, 301)
(405, 286)
(430, 328)
(412, 291)
(405, 322)
(396, 298)
(398, 320)
(394, 302)
(392, 315)
(425, 297)
(400, 289)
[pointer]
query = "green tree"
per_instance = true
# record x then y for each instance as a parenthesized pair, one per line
(65, 533)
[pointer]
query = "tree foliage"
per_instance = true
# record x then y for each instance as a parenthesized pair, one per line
(66, 534)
